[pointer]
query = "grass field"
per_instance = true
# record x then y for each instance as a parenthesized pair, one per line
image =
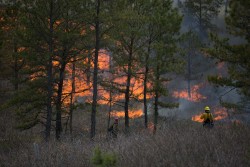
(176, 144)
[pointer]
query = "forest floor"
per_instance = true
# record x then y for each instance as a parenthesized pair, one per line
(176, 143)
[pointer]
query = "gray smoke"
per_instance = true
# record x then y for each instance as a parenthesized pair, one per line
(201, 67)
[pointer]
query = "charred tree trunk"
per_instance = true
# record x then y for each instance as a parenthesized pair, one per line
(145, 86)
(59, 101)
(127, 91)
(97, 47)
(49, 74)
(156, 97)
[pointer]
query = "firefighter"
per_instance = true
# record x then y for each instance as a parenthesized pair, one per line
(113, 129)
(207, 117)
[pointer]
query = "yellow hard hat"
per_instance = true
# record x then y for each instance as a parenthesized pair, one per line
(207, 108)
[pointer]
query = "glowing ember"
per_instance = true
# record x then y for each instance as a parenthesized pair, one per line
(195, 95)
(132, 114)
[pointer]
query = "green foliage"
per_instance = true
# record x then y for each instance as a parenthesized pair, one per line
(238, 19)
(220, 81)
(28, 105)
(236, 55)
(168, 105)
(100, 159)
(58, 31)
(203, 11)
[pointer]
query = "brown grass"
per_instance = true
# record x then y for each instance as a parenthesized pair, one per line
(176, 144)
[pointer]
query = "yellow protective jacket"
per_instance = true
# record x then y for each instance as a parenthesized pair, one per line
(207, 117)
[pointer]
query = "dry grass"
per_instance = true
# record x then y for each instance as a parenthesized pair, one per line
(176, 144)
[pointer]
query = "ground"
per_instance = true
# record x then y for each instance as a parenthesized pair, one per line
(176, 143)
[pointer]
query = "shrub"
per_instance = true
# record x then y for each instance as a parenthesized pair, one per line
(100, 159)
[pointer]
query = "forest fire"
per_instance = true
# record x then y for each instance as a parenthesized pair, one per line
(83, 86)
(132, 114)
(194, 96)
(219, 114)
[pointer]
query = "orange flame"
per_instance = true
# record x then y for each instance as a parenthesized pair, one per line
(220, 114)
(103, 65)
(195, 95)
(197, 118)
(132, 114)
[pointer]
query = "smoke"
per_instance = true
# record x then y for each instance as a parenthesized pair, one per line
(201, 68)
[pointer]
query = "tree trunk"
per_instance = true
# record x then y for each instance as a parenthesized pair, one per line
(226, 6)
(72, 98)
(127, 91)
(156, 98)
(110, 90)
(145, 86)
(59, 101)
(16, 68)
(97, 47)
(200, 15)
(189, 74)
(49, 75)
(110, 105)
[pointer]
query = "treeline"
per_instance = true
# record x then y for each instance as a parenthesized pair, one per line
(41, 40)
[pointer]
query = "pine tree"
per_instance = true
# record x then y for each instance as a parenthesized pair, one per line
(161, 15)
(236, 55)
(68, 46)
(202, 12)
(51, 38)
(100, 13)
(128, 40)
(166, 59)
(11, 46)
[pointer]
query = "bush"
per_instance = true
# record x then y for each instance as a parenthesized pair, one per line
(100, 159)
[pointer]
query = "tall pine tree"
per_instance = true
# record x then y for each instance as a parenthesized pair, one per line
(235, 55)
